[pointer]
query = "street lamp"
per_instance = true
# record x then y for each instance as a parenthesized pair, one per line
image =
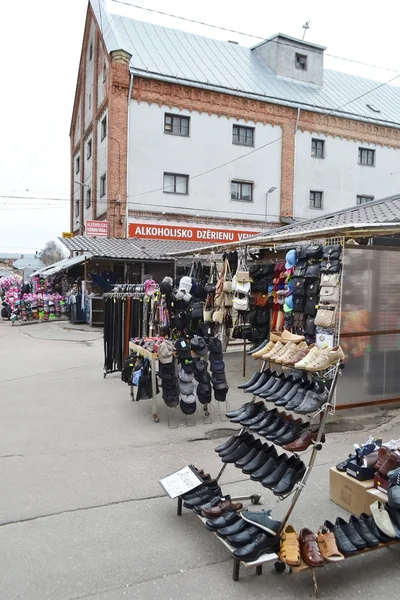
(271, 189)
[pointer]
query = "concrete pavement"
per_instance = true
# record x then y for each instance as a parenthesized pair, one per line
(82, 514)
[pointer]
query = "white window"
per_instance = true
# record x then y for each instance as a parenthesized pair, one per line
(175, 183)
(301, 62)
(366, 157)
(77, 164)
(103, 128)
(89, 149)
(244, 136)
(242, 191)
(317, 148)
(316, 199)
(88, 198)
(176, 125)
(364, 199)
(103, 185)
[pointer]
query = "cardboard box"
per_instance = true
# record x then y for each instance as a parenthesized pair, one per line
(347, 492)
(380, 483)
(372, 496)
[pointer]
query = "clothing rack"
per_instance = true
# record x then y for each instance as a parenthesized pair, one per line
(125, 317)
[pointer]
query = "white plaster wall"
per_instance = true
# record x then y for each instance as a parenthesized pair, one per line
(101, 85)
(152, 152)
(77, 132)
(89, 76)
(340, 176)
(102, 156)
(77, 187)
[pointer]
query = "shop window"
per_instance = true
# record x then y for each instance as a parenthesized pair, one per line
(317, 148)
(76, 208)
(176, 125)
(316, 199)
(89, 149)
(241, 191)
(175, 183)
(88, 198)
(244, 136)
(364, 199)
(301, 62)
(77, 164)
(103, 185)
(103, 128)
(366, 157)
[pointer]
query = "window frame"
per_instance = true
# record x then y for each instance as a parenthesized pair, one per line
(317, 142)
(77, 202)
(175, 175)
(173, 116)
(241, 183)
(88, 198)
(364, 199)
(369, 152)
(247, 129)
(91, 51)
(103, 128)
(103, 185)
(297, 62)
(104, 72)
(77, 164)
(89, 149)
(312, 201)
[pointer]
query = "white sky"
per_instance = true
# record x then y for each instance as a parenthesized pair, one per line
(40, 43)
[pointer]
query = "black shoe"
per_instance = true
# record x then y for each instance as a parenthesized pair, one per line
(279, 383)
(259, 383)
(212, 483)
(258, 417)
(250, 382)
(262, 544)
(252, 453)
(342, 541)
(288, 385)
(258, 461)
(283, 400)
(274, 478)
(237, 411)
(243, 439)
(250, 411)
(229, 442)
(295, 431)
(237, 527)
(238, 453)
(268, 416)
(204, 496)
(269, 384)
(364, 532)
(213, 502)
(342, 466)
(229, 518)
(351, 533)
(275, 423)
(394, 515)
(370, 523)
(289, 480)
(266, 469)
(279, 431)
(245, 537)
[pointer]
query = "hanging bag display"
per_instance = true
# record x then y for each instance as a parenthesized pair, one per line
(210, 286)
(298, 303)
(241, 279)
(227, 286)
(332, 252)
(299, 286)
(313, 270)
(326, 316)
(329, 294)
(240, 302)
(207, 309)
(329, 279)
(314, 251)
(312, 288)
(218, 315)
(310, 306)
(196, 310)
(330, 266)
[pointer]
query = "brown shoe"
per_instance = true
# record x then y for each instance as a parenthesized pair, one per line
(391, 463)
(299, 356)
(327, 545)
(290, 550)
(303, 442)
(309, 549)
(220, 509)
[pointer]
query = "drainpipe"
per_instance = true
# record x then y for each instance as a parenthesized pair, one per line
(295, 158)
(127, 156)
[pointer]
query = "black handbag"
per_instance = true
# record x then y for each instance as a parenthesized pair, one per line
(299, 286)
(330, 266)
(314, 251)
(261, 318)
(298, 303)
(211, 284)
(300, 268)
(301, 252)
(312, 288)
(313, 271)
(206, 330)
(196, 310)
(310, 306)
(332, 252)
(145, 388)
(310, 326)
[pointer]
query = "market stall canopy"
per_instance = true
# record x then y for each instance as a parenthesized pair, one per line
(380, 217)
(128, 249)
(63, 265)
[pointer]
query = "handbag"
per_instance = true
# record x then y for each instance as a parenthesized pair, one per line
(313, 271)
(329, 279)
(329, 294)
(209, 288)
(312, 288)
(298, 303)
(332, 252)
(219, 299)
(206, 330)
(242, 274)
(300, 268)
(145, 388)
(218, 316)
(299, 286)
(326, 317)
(310, 326)
(330, 266)
(196, 310)
(314, 251)
(301, 252)
(228, 299)
(240, 302)
(310, 308)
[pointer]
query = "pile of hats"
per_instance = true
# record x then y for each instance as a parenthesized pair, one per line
(167, 374)
(185, 377)
(217, 366)
(202, 376)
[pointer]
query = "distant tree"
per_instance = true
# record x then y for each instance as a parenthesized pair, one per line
(51, 253)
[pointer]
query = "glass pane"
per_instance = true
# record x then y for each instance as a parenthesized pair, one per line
(181, 185)
(169, 183)
(184, 126)
(249, 137)
(246, 191)
(235, 135)
(176, 125)
(235, 191)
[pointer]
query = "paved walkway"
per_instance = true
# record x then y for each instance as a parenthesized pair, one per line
(82, 514)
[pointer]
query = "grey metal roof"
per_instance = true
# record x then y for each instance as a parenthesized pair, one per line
(177, 56)
(63, 265)
(9, 256)
(25, 261)
(128, 249)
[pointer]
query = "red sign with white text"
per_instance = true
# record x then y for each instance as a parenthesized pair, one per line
(186, 233)
(99, 228)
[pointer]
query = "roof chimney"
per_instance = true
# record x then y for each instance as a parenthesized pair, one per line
(293, 58)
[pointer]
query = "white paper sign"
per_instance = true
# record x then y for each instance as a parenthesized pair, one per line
(180, 482)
